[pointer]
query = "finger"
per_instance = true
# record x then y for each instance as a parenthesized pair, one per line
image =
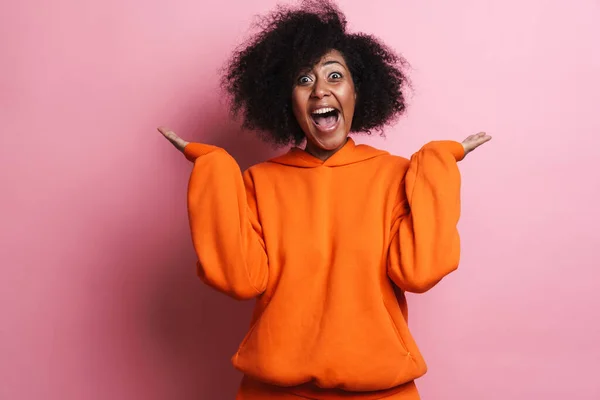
(468, 138)
(481, 136)
(484, 137)
(481, 140)
(476, 137)
(166, 132)
(172, 137)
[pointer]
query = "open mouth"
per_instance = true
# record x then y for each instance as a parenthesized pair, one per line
(326, 119)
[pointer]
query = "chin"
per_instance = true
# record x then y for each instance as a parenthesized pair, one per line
(330, 142)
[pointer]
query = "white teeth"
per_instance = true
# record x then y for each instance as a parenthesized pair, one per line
(323, 110)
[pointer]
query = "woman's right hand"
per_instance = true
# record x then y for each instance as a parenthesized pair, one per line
(172, 137)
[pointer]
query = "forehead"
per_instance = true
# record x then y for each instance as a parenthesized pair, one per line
(329, 57)
(332, 55)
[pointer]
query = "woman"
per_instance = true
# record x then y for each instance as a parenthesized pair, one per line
(326, 238)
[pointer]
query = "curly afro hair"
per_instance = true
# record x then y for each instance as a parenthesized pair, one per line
(260, 75)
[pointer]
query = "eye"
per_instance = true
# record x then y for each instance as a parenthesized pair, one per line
(303, 80)
(335, 75)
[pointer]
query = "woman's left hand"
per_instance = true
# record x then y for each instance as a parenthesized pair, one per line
(474, 141)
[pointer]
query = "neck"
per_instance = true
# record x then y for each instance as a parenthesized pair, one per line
(320, 153)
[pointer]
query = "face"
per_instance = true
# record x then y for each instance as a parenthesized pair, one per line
(323, 100)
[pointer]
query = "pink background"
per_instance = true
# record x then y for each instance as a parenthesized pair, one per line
(98, 294)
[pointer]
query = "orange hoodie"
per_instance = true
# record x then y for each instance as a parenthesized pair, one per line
(328, 249)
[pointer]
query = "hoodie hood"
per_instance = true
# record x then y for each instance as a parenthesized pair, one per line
(350, 153)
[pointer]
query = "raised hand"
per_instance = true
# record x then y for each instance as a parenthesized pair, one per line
(474, 141)
(172, 137)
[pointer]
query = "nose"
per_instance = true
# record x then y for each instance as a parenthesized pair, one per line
(320, 89)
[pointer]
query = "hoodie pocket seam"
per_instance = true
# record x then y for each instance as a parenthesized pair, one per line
(253, 328)
(396, 330)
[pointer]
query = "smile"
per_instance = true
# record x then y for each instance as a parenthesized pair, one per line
(325, 119)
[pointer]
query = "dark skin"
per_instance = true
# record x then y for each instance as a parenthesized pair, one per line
(327, 85)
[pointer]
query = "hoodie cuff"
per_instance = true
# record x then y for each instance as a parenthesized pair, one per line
(195, 150)
(451, 146)
(457, 149)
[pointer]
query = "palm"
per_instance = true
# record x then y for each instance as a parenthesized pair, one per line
(474, 141)
(172, 137)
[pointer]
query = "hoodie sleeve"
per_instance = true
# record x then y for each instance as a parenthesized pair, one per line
(226, 232)
(425, 244)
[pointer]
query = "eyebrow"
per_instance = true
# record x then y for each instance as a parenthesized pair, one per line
(326, 63)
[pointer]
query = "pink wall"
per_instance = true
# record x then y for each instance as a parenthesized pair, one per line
(98, 297)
